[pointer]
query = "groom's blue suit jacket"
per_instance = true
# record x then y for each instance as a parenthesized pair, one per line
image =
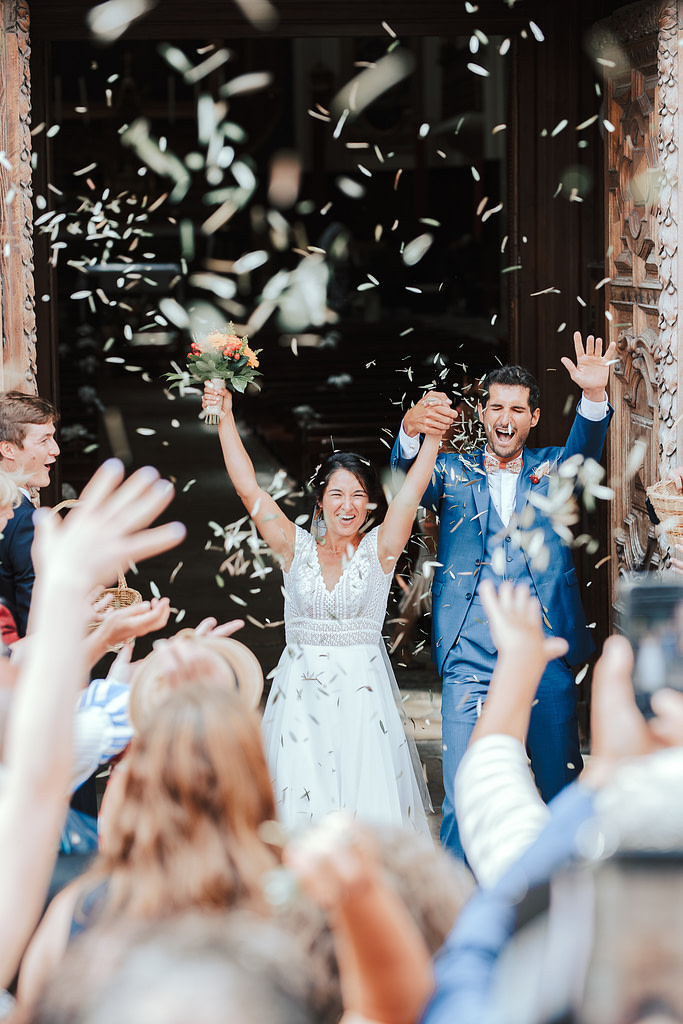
(459, 494)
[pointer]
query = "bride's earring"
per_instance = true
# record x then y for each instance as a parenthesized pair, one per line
(318, 525)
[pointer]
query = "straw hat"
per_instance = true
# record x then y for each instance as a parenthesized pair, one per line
(244, 674)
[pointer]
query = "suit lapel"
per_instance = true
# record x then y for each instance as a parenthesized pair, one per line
(479, 486)
(530, 462)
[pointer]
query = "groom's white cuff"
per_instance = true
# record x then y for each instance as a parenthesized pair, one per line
(593, 410)
(409, 446)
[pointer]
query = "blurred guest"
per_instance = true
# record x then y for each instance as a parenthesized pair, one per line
(27, 451)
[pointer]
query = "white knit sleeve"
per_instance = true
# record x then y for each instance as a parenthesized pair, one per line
(499, 810)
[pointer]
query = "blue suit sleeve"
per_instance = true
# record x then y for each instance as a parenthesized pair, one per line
(465, 966)
(587, 437)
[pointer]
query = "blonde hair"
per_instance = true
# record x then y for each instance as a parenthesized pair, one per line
(195, 793)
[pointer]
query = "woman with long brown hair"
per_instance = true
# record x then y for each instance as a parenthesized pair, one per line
(193, 797)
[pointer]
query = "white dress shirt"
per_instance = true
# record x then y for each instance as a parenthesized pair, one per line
(503, 486)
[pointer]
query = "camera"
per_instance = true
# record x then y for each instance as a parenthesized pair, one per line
(651, 617)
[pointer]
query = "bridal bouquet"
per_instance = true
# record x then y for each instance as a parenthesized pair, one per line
(222, 358)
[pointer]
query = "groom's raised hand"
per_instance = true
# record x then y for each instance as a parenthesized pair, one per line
(591, 371)
(431, 415)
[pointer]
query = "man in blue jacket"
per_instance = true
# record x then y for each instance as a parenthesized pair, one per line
(27, 450)
(480, 497)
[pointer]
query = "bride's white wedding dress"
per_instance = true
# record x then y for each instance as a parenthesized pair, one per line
(333, 731)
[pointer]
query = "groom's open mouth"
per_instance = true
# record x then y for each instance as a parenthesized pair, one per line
(504, 434)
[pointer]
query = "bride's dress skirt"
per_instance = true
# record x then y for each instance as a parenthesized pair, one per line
(335, 739)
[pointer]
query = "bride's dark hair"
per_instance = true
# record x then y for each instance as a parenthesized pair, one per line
(363, 471)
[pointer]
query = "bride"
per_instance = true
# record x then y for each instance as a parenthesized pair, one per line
(333, 731)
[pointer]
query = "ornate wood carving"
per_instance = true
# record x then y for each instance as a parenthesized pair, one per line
(17, 299)
(642, 261)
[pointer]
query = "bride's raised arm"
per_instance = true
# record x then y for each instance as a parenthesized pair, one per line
(277, 530)
(394, 533)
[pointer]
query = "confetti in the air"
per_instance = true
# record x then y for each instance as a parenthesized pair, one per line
(110, 20)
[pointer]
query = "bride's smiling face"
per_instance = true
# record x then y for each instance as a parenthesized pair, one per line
(344, 503)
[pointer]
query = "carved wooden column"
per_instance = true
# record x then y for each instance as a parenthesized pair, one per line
(641, 45)
(17, 300)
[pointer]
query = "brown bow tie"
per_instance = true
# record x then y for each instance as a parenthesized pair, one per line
(492, 464)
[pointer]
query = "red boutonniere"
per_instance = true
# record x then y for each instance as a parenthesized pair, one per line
(540, 472)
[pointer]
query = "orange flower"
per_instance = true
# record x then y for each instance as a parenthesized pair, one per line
(252, 359)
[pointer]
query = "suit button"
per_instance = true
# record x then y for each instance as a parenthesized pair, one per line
(467, 597)
(477, 561)
(509, 558)
(507, 540)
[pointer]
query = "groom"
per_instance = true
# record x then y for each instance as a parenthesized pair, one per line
(475, 496)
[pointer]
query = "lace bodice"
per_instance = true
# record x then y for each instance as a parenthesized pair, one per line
(352, 613)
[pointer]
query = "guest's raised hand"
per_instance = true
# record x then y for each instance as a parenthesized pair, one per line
(431, 415)
(211, 627)
(618, 730)
(667, 725)
(216, 399)
(333, 861)
(676, 474)
(591, 370)
(120, 625)
(515, 620)
(108, 528)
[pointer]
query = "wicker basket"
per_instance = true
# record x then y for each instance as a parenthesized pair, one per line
(667, 501)
(122, 596)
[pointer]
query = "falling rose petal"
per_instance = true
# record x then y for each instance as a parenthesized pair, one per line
(372, 82)
(477, 69)
(491, 212)
(174, 312)
(110, 20)
(417, 248)
(250, 82)
(223, 287)
(145, 431)
(537, 33)
(353, 189)
(261, 13)
(250, 261)
(212, 63)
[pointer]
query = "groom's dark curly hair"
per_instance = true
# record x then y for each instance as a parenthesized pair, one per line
(364, 472)
(515, 376)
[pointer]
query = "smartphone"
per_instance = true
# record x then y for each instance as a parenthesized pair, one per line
(651, 617)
